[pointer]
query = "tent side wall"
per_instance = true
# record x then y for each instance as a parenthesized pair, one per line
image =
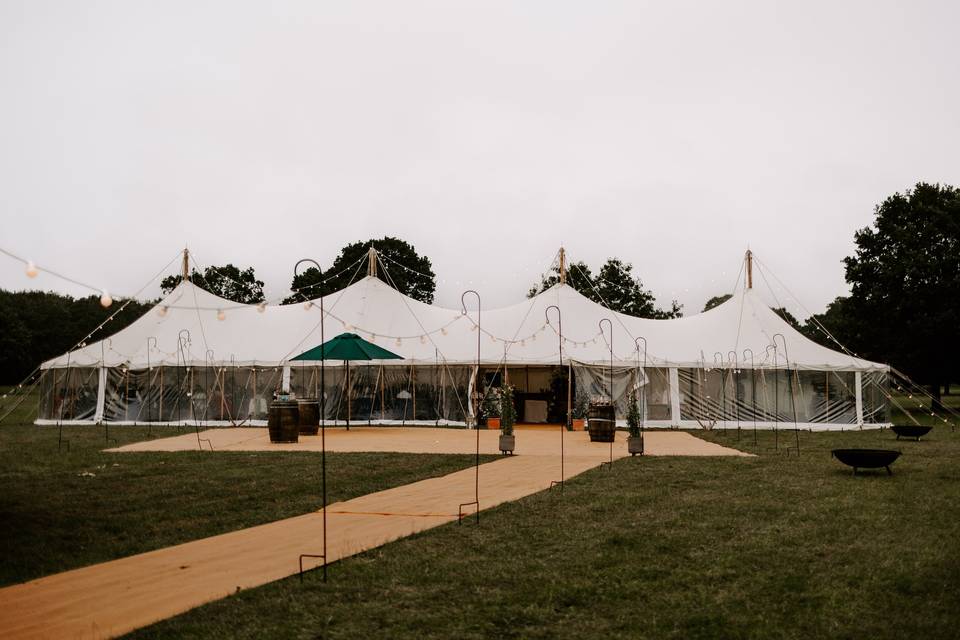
(409, 393)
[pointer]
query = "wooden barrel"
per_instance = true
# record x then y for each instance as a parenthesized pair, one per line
(309, 409)
(602, 422)
(284, 421)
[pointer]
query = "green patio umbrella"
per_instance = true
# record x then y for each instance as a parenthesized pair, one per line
(347, 347)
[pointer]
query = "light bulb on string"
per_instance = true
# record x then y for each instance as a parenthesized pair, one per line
(32, 270)
(423, 339)
(399, 342)
(492, 339)
(162, 311)
(105, 299)
(307, 305)
(221, 315)
(443, 330)
(261, 307)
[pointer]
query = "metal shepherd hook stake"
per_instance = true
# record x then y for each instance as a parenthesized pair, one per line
(610, 324)
(323, 429)
(793, 391)
(476, 410)
(563, 427)
(643, 391)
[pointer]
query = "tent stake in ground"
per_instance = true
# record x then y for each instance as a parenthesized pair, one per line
(563, 427)
(476, 412)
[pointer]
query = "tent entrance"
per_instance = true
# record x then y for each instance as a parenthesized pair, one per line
(540, 392)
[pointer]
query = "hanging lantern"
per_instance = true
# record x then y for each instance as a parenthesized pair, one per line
(32, 270)
(105, 299)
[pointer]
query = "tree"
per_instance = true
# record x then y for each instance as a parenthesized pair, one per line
(36, 326)
(578, 276)
(227, 282)
(839, 321)
(406, 270)
(305, 286)
(614, 286)
(789, 317)
(716, 301)
(905, 281)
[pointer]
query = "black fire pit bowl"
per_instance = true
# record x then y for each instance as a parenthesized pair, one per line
(866, 458)
(910, 431)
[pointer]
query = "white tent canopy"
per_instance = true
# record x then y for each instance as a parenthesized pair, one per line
(196, 355)
(518, 334)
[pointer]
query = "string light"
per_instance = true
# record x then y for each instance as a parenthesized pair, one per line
(443, 330)
(221, 315)
(307, 305)
(105, 299)
(261, 307)
(399, 342)
(32, 270)
(162, 311)
(423, 339)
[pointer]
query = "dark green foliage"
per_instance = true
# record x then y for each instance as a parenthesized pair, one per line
(789, 317)
(614, 286)
(905, 279)
(227, 282)
(508, 412)
(36, 326)
(716, 301)
(633, 414)
(306, 285)
(409, 272)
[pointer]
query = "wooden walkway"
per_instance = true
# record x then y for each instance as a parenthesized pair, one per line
(112, 598)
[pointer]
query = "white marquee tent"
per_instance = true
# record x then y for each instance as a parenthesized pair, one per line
(198, 358)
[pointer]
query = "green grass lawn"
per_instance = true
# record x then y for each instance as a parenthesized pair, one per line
(767, 547)
(65, 509)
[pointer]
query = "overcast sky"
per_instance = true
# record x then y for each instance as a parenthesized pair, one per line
(671, 135)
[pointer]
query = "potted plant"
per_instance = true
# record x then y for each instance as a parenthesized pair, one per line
(508, 416)
(580, 409)
(491, 408)
(635, 438)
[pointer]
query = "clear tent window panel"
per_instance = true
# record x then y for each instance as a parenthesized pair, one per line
(69, 393)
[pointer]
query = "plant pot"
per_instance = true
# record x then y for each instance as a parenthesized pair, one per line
(493, 423)
(579, 424)
(507, 443)
(635, 445)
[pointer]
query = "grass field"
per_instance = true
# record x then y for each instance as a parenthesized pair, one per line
(64, 509)
(769, 547)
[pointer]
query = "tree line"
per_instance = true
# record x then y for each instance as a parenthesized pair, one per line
(904, 305)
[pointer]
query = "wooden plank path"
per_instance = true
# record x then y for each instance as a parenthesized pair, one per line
(112, 598)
